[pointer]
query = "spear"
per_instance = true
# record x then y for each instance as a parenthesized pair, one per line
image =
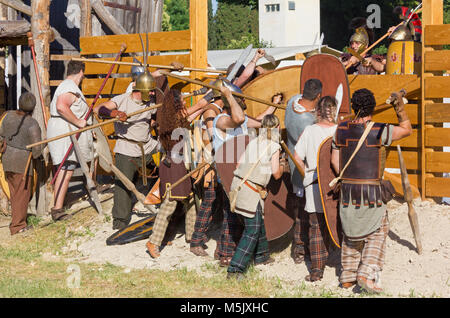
(192, 69)
(79, 131)
(255, 99)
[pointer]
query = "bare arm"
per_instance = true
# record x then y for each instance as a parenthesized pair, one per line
(63, 104)
(249, 69)
(335, 160)
(299, 160)
(237, 114)
(277, 169)
(196, 110)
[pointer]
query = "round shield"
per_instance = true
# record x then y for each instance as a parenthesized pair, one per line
(331, 72)
(279, 212)
(330, 201)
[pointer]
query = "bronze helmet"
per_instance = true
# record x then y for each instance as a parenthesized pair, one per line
(401, 33)
(361, 36)
(144, 84)
(232, 88)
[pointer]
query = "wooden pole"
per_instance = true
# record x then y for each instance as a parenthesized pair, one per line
(191, 69)
(86, 18)
(255, 99)
(18, 5)
(289, 153)
(79, 131)
(107, 17)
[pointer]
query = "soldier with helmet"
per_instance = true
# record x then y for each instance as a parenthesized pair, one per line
(135, 145)
(19, 129)
(136, 70)
(361, 39)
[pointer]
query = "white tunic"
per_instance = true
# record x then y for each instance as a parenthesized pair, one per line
(307, 148)
(57, 125)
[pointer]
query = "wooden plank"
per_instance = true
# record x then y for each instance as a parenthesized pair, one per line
(437, 137)
(411, 159)
(437, 60)
(437, 34)
(437, 187)
(383, 85)
(437, 87)
(437, 161)
(99, 68)
(437, 113)
(158, 41)
(409, 142)
(389, 116)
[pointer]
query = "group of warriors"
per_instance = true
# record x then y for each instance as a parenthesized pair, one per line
(310, 119)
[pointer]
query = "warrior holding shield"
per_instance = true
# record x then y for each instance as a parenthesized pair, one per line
(356, 156)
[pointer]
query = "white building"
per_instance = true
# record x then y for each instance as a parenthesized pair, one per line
(289, 22)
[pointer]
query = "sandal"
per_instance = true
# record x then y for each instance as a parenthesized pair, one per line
(298, 259)
(368, 285)
(198, 251)
(153, 250)
(224, 261)
(315, 275)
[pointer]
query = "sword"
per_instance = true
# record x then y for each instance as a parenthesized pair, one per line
(239, 62)
(339, 96)
(270, 58)
(407, 194)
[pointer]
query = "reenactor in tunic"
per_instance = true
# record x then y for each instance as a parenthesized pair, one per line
(19, 129)
(362, 211)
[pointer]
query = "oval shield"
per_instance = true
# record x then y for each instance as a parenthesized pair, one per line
(279, 212)
(330, 201)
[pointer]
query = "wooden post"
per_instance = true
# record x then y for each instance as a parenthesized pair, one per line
(107, 17)
(85, 18)
(432, 14)
(40, 28)
(198, 21)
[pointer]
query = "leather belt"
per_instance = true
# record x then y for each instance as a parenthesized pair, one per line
(258, 189)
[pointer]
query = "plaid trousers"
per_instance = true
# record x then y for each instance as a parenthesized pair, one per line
(204, 216)
(163, 218)
(252, 243)
(318, 240)
(301, 229)
(365, 257)
(231, 228)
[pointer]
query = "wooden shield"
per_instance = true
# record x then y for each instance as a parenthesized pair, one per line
(285, 80)
(330, 202)
(279, 212)
(331, 72)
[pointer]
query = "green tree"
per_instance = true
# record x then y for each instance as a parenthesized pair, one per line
(165, 22)
(232, 22)
(178, 11)
(246, 40)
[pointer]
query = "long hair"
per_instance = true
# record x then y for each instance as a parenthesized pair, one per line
(170, 117)
(326, 109)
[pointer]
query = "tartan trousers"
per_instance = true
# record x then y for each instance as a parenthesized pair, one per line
(231, 228)
(301, 229)
(163, 218)
(364, 258)
(318, 240)
(252, 243)
(204, 216)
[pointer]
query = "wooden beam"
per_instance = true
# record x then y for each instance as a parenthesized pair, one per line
(411, 159)
(107, 17)
(86, 18)
(437, 137)
(18, 5)
(12, 29)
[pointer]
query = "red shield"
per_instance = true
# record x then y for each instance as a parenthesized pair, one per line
(331, 72)
(330, 201)
(279, 206)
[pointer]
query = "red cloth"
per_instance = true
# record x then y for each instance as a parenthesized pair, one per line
(406, 12)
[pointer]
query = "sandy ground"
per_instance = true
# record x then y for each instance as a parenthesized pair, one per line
(405, 273)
